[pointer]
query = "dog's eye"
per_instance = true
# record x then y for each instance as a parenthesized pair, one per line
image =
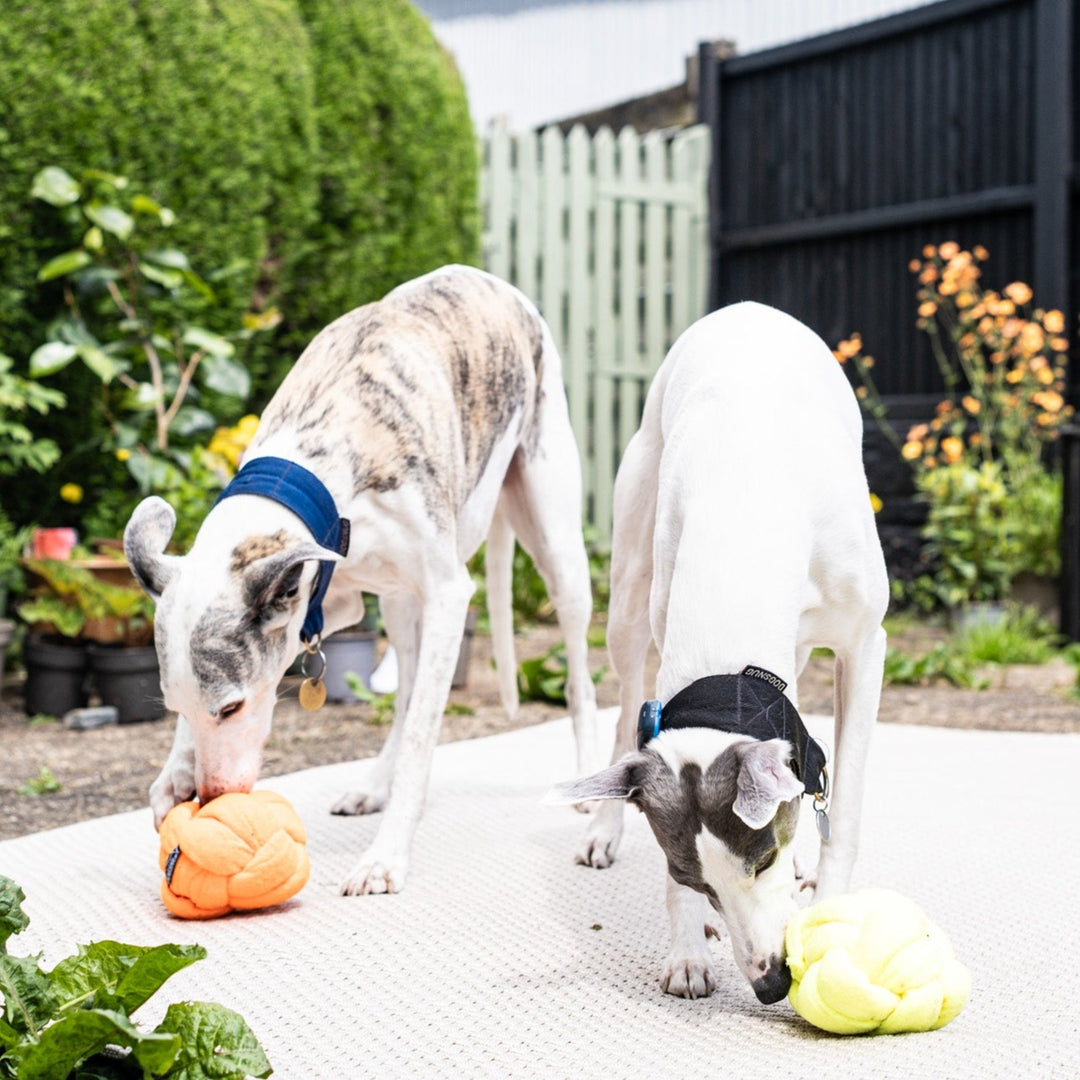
(767, 860)
(231, 709)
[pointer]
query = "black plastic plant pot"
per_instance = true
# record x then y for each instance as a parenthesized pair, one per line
(129, 679)
(56, 675)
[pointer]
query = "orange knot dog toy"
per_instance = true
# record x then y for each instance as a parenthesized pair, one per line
(239, 852)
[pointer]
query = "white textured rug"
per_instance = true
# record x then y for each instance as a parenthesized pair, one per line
(502, 958)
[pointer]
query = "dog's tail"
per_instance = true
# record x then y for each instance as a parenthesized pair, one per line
(499, 564)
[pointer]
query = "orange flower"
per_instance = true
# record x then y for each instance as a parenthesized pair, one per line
(914, 266)
(1018, 292)
(949, 250)
(911, 450)
(928, 275)
(953, 449)
(1045, 376)
(1048, 400)
(972, 405)
(1059, 344)
(1032, 338)
(918, 432)
(929, 251)
(927, 308)
(1054, 322)
(981, 253)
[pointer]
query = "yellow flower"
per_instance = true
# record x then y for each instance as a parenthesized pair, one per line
(875, 503)
(911, 450)
(972, 405)
(123, 454)
(71, 493)
(1048, 400)
(1054, 322)
(1059, 344)
(1018, 292)
(953, 449)
(1045, 376)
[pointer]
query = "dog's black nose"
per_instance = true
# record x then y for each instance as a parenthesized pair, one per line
(774, 984)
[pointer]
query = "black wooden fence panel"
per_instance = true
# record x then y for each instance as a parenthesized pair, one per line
(836, 159)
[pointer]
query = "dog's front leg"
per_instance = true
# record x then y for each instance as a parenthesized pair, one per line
(385, 864)
(857, 696)
(689, 971)
(176, 782)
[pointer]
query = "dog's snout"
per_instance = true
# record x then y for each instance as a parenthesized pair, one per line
(774, 985)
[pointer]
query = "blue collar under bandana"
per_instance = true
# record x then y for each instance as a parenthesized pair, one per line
(751, 703)
(306, 496)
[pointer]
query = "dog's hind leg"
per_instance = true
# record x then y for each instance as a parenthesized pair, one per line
(857, 692)
(628, 630)
(402, 617)
(542, 501)
(499, 571)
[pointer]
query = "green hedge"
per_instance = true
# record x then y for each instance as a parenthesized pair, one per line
(321, 150)
(398, 157)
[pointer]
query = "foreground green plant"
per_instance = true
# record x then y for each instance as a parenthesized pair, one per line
(940, 662)
(74, 1022)
(1021, 636)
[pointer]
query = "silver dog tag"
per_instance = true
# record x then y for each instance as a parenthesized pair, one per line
(824, 828)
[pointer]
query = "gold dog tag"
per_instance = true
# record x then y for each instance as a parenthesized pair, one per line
(312, 694)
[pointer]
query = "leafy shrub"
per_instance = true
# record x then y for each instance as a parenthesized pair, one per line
(980, 464)
(59, 1024)
(940, 662)
(1021, 636)
(397, 164)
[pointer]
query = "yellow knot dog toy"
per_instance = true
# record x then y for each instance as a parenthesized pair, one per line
(872, 962)
(238, 852)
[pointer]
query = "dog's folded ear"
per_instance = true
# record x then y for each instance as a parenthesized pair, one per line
(146, 536)
(272, 584)
(765, 781)
(615, 782)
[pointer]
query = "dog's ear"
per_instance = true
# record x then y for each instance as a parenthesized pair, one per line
(765, 781)
(272, 584)
(617, 781)
(146, 536)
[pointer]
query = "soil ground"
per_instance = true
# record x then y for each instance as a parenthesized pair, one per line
(108, 770)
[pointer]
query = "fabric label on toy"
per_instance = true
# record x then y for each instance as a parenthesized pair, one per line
(170, 864)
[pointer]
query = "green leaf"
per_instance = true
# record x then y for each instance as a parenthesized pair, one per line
(215, 1043)
(111, 218)
(169, 257)
(226, 376)
(111, 975)
(100, 363)
(28, 1003)
(55, 186)
(51, 357)
(168, 279)
(64, 264)
(192, 421)
(71, 1040)
(143, 204)
(214, 344)
(13, 919)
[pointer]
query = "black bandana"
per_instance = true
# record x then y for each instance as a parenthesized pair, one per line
(751, 703)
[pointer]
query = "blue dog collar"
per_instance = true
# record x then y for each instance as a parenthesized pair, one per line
(302, 492)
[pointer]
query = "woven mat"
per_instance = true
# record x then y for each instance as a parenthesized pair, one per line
(502, 958)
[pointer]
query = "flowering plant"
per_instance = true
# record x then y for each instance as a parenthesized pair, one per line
(980, 462)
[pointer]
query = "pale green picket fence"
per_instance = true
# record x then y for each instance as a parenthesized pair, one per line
(608, 235)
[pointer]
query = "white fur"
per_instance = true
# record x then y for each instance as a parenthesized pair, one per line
(743, 534)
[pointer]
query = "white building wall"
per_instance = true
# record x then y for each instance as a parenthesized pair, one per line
(534, 61)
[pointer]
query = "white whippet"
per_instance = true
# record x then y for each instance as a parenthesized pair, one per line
(743, 537)
(429, 420)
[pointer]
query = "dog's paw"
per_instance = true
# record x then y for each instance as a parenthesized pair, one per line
(374, 876)
(688, 977)
(602, 836)
(360, 802)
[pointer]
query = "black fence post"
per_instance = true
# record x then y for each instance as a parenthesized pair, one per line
(1070, 532)
(711, 55)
